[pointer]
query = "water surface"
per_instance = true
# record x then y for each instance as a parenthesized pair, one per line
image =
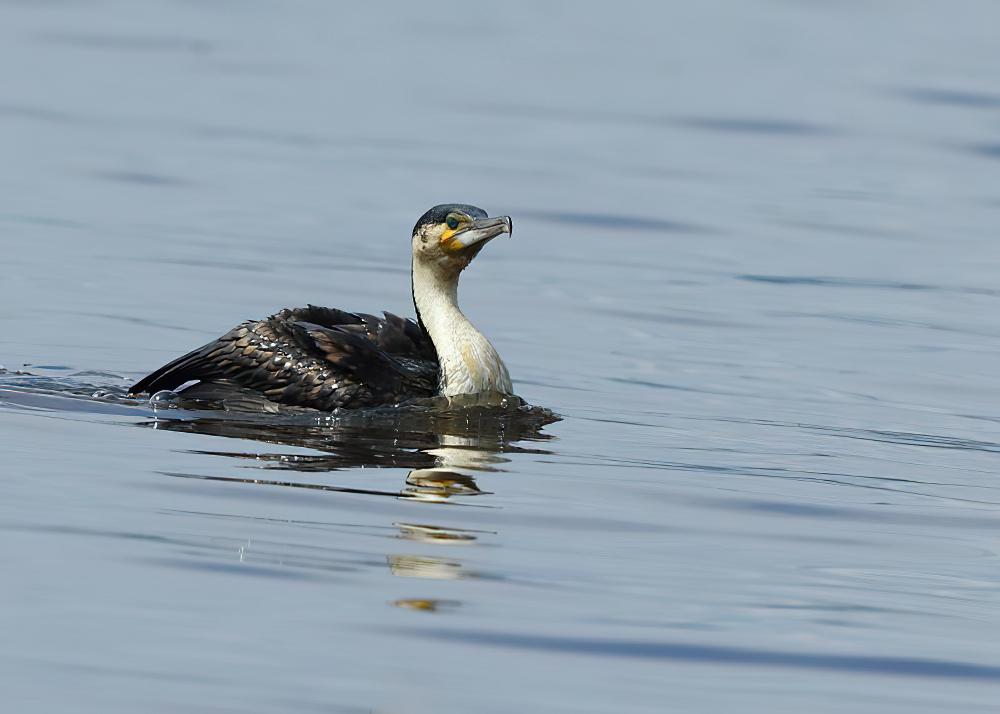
(754, 271)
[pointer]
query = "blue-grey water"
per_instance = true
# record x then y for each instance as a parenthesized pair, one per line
(754, 269)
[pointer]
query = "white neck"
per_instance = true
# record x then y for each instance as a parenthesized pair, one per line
(469, 363)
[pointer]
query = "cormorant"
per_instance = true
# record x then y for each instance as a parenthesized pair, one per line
(327, 359)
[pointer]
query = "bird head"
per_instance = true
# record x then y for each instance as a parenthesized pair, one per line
(449, 236)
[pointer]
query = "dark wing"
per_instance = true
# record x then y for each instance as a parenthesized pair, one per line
(313, 357)
(392, 334)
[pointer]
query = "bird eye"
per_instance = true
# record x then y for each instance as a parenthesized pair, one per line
(452, 222)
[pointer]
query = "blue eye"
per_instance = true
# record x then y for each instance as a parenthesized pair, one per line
(452, 222)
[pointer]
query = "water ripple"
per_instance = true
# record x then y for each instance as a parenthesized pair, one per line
(952, 97)
(840, 282)
(610, 221)
(718, 654)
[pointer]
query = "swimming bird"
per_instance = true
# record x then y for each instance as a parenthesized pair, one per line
(324, 358)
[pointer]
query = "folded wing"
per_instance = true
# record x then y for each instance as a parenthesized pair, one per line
(316, 357)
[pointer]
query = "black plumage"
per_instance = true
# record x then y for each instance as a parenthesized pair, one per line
(316, 357)
(437, 214)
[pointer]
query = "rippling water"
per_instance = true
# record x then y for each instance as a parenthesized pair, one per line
(754, 273)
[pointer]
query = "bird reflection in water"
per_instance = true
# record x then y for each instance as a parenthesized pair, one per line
(420, 566)
(440, 440)
(444, 479)
(426, 604)
(443, 444)
(437, 534)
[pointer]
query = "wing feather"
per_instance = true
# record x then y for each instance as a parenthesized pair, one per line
(313, 356)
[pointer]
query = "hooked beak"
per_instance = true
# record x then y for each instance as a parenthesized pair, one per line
(480, 231)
